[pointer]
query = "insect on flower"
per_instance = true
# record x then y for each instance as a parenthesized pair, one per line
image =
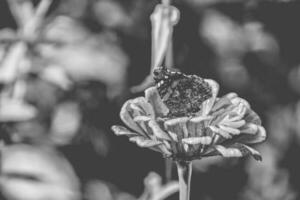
(183, 118)
(183, 94)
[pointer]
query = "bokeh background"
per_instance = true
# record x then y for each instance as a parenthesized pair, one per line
(77, 71)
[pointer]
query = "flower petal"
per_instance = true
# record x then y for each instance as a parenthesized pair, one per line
(208, 104)
(120, 130)
(186, 147)
(196, 126)
(138, 110)
(260, 136)
(142, 119)
(249, 128)
(246, 150)
(236, 150)
(252, 117)
(239, 110)
(223, 114)
(228, 152)
(206, 140)
(173, 136)
(144, 142)
(221, 103)
(178, 126)
(220, 132)
(127, 117)
(141, 105)
(235, 100)
(231, 95)
(164, 150)
(157, 131)
(234, 124)
(199, 119)
(230, 130)
(154, 99)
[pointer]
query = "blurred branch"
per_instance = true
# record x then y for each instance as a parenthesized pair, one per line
(21, 10)
(43, 8)
(168, 190)
(154, 190)
(163, 20)
(166, 2)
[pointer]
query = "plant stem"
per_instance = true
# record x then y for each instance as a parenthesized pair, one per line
(166, 2)
(169, 61)
(184, 169)
(168, 170)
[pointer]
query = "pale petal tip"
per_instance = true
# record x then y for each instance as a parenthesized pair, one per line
(152, 96)
(262, 133)
(120, 130)
(115, 129)
(214, 86)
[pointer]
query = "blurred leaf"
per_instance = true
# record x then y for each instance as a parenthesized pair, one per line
(10, 66)
(154, 190)
(37, 174)
(66, 121)
(87, 56)
(57, 76)
(267, 180)
(110, 14)
(14, 110)
(98, 190)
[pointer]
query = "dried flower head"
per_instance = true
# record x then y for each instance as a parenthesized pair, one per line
(183, 118)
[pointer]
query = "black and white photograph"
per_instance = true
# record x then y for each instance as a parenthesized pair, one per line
(149, 99)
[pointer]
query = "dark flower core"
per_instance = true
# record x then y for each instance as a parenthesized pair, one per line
(183, 94)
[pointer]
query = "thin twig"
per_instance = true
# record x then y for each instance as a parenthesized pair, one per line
(170, 189)
(43, 8)
(21, 11)
(169, 59)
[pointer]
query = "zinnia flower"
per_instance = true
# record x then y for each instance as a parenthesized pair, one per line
(221, 126)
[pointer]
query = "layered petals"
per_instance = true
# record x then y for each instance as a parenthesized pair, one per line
(224, 126)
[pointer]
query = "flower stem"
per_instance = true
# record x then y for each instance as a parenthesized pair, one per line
(168, 170)
(184, 169)
(169, 61)
(166, 2)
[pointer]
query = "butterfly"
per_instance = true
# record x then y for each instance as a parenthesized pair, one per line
(183, 94)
